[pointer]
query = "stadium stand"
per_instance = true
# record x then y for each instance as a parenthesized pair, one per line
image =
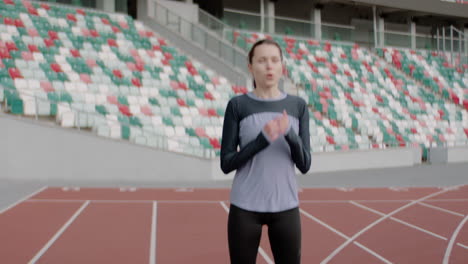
(434, 70)
(369, 100)
(108, 73)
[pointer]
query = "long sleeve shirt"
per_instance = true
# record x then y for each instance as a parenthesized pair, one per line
(265, 179)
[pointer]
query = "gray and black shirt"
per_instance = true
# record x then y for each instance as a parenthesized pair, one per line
(265, 178)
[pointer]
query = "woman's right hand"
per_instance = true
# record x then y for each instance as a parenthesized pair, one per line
(276, 127)
(272, 129)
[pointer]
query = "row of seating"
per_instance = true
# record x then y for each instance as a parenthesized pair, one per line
(434, 70)
(357, 90)
(108, 73)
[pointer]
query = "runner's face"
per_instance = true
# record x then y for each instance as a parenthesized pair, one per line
(266, 66)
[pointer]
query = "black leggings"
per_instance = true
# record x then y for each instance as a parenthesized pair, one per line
(245, 229)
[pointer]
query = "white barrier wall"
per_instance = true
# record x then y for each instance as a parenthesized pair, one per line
(365, 159)
(448, 155)
(457, 154)
(35, 150)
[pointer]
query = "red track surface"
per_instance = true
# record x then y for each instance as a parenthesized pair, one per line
(112, 225)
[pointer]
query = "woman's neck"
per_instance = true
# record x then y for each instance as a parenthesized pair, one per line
(267, 93)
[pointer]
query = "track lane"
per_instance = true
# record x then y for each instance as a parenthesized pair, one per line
(27, 227)
(105, 233)
(191, 233)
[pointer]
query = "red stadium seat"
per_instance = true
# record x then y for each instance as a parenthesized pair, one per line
(55, 67)
(15, 73)
(125, 110)
(85, 78)
(146, 110)
(27, 56)
(71, 17)
(47, 86)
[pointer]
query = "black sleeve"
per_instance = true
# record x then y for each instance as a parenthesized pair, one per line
(231, 159)
(300, 144)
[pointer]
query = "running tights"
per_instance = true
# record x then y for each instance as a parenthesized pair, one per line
(245, 229)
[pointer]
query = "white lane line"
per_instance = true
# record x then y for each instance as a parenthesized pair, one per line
(448, 251)
(154, 218)
(118, 201)
(399, 221)
(260, 249)
(58, 234)
(463, 246)
(224, 206)
(413, 226)
(383, 200)
(344, 236)
(372, 252)
(338, 249)
(323, 223)
(217, 201)
(22, 199)
(441, 209)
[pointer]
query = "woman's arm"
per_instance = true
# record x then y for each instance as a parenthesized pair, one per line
(300, 144)
(231, 159)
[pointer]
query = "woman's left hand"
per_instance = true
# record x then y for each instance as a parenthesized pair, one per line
(283, 122)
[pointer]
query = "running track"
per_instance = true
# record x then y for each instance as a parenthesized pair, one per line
(130, 225)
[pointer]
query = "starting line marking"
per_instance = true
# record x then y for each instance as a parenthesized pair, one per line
(345, 189)
(399, 189)
(74, 189)
(184, 190)
(127, 189)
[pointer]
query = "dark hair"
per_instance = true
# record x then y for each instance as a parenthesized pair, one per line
(258, 43)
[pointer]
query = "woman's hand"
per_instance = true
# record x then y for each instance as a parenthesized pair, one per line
(283, 122)
(276, 127)
(272, 129)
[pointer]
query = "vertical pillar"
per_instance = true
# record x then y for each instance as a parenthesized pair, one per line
(262, 16)
(381, 25)
(270, 13)
(374, 15)
(465, 40)
(316, 18)
(106, 5)
(413, 34)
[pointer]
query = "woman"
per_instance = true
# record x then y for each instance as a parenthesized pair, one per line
(272, 130)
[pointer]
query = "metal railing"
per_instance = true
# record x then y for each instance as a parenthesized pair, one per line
(454, 42)
(287, 26)
(447, 39)
(201, 36)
